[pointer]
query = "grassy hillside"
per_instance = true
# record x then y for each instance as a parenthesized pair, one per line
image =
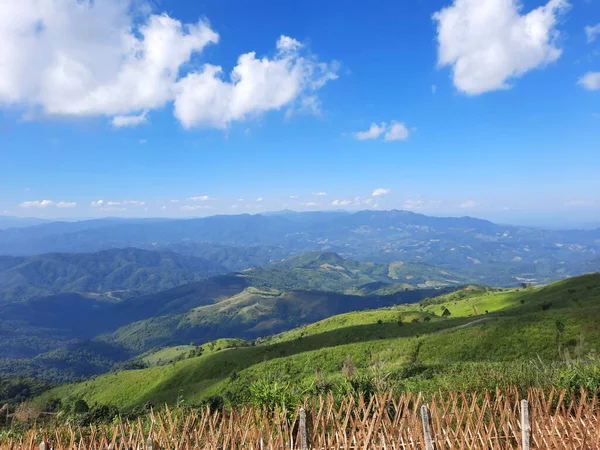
(250, 314)
(525, 338)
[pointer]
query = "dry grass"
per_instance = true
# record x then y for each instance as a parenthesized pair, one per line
(559, 420)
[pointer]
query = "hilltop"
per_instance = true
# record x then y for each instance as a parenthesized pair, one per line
(487, 337)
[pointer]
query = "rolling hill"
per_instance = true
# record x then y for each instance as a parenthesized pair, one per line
(488, 337)
(117, 272)
(246, 304)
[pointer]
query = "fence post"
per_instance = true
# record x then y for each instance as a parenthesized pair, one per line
(44, 445)
(426, 428)
(303, 443)
(525, 427)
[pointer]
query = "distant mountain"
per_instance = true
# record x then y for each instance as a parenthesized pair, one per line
(492, 253)
(18, 222)
(117, 273)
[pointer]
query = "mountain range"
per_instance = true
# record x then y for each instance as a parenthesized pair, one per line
(492, 253)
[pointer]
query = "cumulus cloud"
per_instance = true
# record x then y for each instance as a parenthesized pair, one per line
(320, 194)
(259, 199)
(310, 204)
(490, 42)
(97, 203)
(89, 58)
(380, 191)
(294, 197)
(341, 202)
(47, 203)
(113, 203)
(255, 86)
(201, 198)
(372, 133)
(433, 88)
(590, 81)
(113, 58)
(395, 131)
(130, 121)
(468, 204)
(592, 32)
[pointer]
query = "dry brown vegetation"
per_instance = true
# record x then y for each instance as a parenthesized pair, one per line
(559, 420)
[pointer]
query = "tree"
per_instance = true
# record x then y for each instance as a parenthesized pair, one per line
(446, 312)
(80, 407)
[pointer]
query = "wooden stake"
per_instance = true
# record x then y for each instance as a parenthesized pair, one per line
(303, 443)
(426, 428)
(525, 428)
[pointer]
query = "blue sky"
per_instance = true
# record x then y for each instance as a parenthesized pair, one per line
(483, 108)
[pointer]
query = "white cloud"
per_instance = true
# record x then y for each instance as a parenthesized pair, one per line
(163, 208)
(489, 42)
(174, 201)
(47, 203)
(396, 132)
(294, 197)
(256, 86)
(143, 141)
(341, 202)
(372, 133)
(320, 194)
(368, 200)
(113, 203)
(234, 206)
(98, 203)
(201, 198)
(130, 121)
(380, 191)
(66, 204)
(84, 58)
(133, 202)
(433, 88)
(113, 58)
(194, 207)
(413, 204)
(592, 32)
(310, 204)
(259, 199)
(240, 200)
(468, 204)
(590, 81)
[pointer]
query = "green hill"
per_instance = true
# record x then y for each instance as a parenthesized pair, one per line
(246, 305)
(128, 271)
(526, 337)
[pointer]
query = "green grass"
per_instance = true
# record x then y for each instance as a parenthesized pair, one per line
(524, 339)
(169, 354)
